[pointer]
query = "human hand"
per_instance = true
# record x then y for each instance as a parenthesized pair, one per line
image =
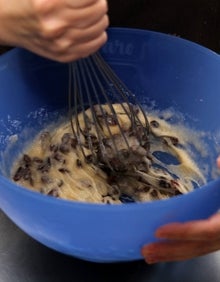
(185, 240)
(62, 30)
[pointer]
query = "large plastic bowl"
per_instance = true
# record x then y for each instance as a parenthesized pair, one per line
(168, 70)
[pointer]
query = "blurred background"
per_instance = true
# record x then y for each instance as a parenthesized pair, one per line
(196, 20)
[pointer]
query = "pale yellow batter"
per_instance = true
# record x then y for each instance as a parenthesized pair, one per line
(54, 164)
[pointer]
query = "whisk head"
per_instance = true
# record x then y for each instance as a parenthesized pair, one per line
(110, 127)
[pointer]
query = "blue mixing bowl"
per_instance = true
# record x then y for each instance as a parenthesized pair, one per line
(167, 70)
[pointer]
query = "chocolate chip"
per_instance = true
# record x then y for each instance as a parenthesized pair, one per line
(54, 148)
(114, 190)
(90, 140)
(67, 142)
(63, 170)
(37, 160)
(46, 179)
(54, 193)
(164, 184)
(64, 148)
(78, 163)
(154, 124)
(177, 192)
(146, 145)
(18, 174)
(174, 140)
(60, 183)
(66, 138)
(153, 193)
(45, 166)
(124, 153)
(58, 157)
(146, 189)
(73, 143)
(26, 173)
(27, 160)
(88, 159)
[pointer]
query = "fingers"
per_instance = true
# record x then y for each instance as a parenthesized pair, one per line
(90, 15)
(65, 43)
(73, 52)
(83, 50)
(91, 32)
(185, 240)
(74, 34)
(68, 30)
(81, 3)
(54, 24)
(48, 12)
(195, 230)
(178, 250)
(62, 30)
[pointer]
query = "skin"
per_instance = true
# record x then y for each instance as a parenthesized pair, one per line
(185, 240)
(62, 30)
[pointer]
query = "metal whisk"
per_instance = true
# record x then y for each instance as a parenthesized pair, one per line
(110, 127)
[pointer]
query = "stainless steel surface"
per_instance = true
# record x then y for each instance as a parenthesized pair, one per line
(24, 260)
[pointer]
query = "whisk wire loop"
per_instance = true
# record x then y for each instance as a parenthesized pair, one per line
(93, 85)
(109, 103)
(119, 89)
(89, 73)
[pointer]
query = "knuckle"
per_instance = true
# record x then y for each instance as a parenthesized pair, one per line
(41, 6)
(104, 38)
(101, 9)
(92, 47)
(103, 6)
(62, 45)
(106, 21)
(50, 32)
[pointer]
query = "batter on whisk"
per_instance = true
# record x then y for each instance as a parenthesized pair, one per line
(56, 164)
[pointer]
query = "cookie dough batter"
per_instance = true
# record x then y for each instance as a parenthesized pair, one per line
(55, 164)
